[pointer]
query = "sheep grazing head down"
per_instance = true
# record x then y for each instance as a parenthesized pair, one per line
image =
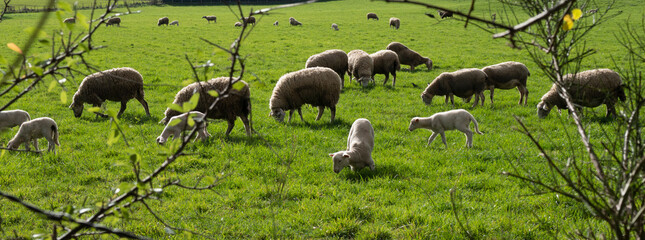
(278, 114)
(427, 98)
(543, 110)
(341, 160)
(428, 63)
(77, 108)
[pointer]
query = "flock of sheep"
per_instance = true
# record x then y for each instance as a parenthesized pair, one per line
(320, 84)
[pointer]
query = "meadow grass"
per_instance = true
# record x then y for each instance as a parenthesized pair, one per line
(406, 197)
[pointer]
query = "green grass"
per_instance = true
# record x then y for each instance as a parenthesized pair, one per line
(406, 197)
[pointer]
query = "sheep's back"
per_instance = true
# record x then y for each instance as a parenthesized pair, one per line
(318, 86)
(383, 60)
(591, 88)
(236, 104)
(118, 84)
(507, 71)
(362, 134)
(464, 82)
(396, 47)
(335, 59)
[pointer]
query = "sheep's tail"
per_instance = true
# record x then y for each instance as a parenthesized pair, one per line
(620, 92)
(476, 124)
(55, 135)
(247, 111)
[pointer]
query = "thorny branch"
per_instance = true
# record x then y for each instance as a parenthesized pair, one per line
(4, 10)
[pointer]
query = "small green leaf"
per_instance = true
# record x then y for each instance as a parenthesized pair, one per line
(175, 107)
(111, 113)
(238, 85)
(51, 87)
(64, 6)
(94, 109)
(84, 47)
(187, 82)
(190, 121)
(124, 187)
(63, 97)
(82, 20)
(209, 180)
(2, 153)
(213, 93)
(113, 137)
(37, 70)
(174, 122)
(192, 103)
(135, 158)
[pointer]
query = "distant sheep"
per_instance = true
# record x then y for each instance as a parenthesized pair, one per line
(335, 59)
(507, 75)
(294, 22)
(317, 86)
(249, 20)
(334, 26)
(587, 89)
(176, 22)
(210, 18)
(275, 23)
(438, 123)
(395, 23)
(118, 84)
(70, 20)
(12, 118)
(360, 66)
(237, 104)
(238, 24)
(181, 125)
(372, 16)
(163, 21)
(360, 143)
(463, 83)
(408, 56)
(43, 127)
(386, 62)
(113, 21)
(444, 14)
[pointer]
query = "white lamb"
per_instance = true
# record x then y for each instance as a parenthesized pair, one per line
(43, 127)
(360, 144)
(176, 129)
(12, 118)
(438, 123)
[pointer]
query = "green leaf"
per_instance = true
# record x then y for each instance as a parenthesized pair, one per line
(94, 109)
(213, 93)
(124, 187)
(174, 122)
(37, 70)
(111, 113)
(187, 82)
(64, 6)
(239, 85)
(51, 87)
(113, 137)
(82, 20)
(192, 103)
(175, 107)
(63, 97)
(84, 46)
(209, 180)
(134, 158)
(190, 121)
(3, 152)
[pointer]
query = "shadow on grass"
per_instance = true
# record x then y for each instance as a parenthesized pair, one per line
(365, 174)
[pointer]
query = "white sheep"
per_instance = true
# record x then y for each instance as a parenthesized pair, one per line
(438, 123)
(408, 56)
(507, 75)
(360, 143)
(163, 21)
(360, 66)
(70, 20)
(395, 23)
(210, 18)
(294, 22)
(118, 84)
(317, 86)
(32, 130)
(335, 59)
(181, 124)
(386, 62)
(237, 24)
(12, 118)
(176, 22)
(113, 21)
(590, 88)
(463, 83)
(334, 26)
(249, 20)
(275, 23)
(372, 16)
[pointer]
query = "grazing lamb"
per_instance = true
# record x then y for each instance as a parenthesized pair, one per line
(438, 123)
(176, 22)
(275, 23)
(113, 21)
(210, 18)
(335, 59)
(444, 14)
(590, 88)
(249, 20)
(464, 83)
(360, 144)
(294, 22)
(182, 125)
(408, 56)
(386, 62)
(360, 66)
(237, 104)
(372, 16)
(317, 86)
(70, 20)
(12, 118)
(507, 75)
(43, 127)
(163, 21)
(334, 26)
(118, 84)
(238, 24)
(395, 23)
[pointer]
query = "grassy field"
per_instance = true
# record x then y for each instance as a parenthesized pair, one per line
(408, 196)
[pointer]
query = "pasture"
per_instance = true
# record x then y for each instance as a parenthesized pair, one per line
(408, 196)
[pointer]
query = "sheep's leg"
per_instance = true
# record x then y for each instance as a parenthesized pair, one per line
(431, 138)
(469, 135)
(492, 91)
(145, 105)
(387, 77)
(291, 114)
(482, 97)
(611, 112)
(247, 126)
(443, 138)
(411, 68)
(447, 98)
(476, 100)
(124, 104)
(231, 124)
(524, 94)
(393, 78)
(300, 113)
(333, 113)
(321, 109)
(35, 144)
(452, 100)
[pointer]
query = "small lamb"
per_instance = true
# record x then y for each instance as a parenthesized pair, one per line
(176, 22)
(438, 123)
(334, 26)
(360, 144)
(43, 127)
(12, 118)
(182, 125)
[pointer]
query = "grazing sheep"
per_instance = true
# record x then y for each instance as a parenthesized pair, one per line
(237, 104)
(117, 84)
(372, 16)
(249, 20)
(395, 23)
(335, 59)
(113, 21)
(12, 118)
(182, 125)
(464, 83)
(587, 89)
(438, 123)
(507, 75)
(70, 20)
(163, 21)
(386, 62)
(444, 14)
(176, 22)
(408, 56)
(238, 24)
(210, 18)
(334, 26)
(275, 23)
(360, 144)
(294, 22)
(43, 127)
(360, 66)
(317, 86)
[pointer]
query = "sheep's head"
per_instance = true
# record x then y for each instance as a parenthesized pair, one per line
(428, 63)
(365, 81)
(413, 124)
(13, 145)
(161, 140)
(543, 109)
(77, 108)
(427, 98)
(341, 160)
(278, 114)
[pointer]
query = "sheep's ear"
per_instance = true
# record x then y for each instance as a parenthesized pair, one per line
(345, 155)
(416, 120)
